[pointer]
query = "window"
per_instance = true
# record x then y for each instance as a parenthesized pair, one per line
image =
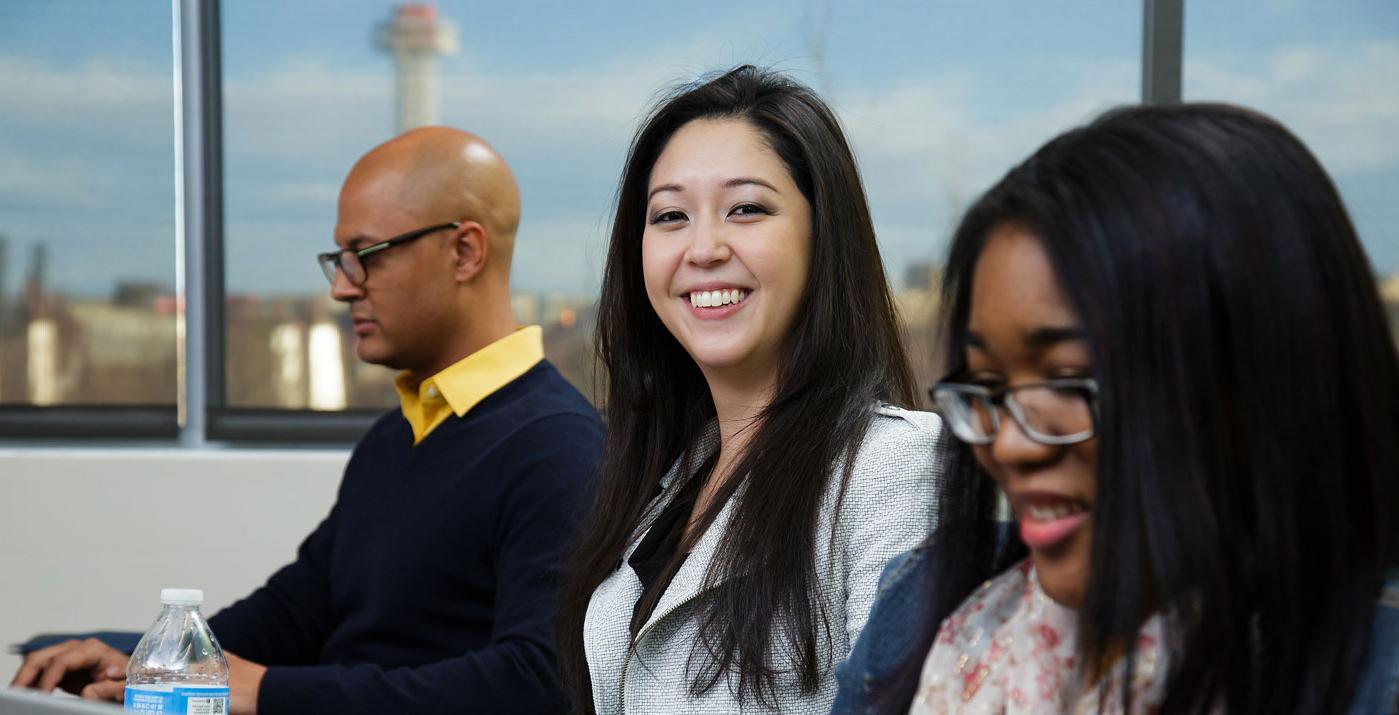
(939, 99)
(1328, 73)
(87, 207)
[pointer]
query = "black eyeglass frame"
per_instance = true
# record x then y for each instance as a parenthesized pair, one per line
(1004, 397)
(333, 261)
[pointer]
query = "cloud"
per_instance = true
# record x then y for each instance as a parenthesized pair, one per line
(97, 137)
(968, 131)
(27, 182)
(271, 113)
(929, 145)
(560, 255)
(306, 112)
(1342, 101)
(316, 192)
(98, 85)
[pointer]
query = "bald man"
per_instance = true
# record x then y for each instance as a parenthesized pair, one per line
(428, 588)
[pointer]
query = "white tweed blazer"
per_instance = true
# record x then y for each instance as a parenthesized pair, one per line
(888, 508)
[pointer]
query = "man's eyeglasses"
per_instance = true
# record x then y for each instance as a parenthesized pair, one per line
(352, 261)
(1055, 412)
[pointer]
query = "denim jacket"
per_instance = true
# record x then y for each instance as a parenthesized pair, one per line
(894, 622)
(890, 630)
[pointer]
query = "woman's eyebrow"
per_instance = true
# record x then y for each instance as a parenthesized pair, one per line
(664, 187)
(1048, 336)
(731, 183)
(750, 180)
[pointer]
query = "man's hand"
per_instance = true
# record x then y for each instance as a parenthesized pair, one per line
(244, 679)
(97, 671)
(89, 668)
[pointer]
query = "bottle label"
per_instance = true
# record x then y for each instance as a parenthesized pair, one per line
(172, 699)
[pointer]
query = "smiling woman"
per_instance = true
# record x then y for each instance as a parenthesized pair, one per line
(726, 248)
(756, 476)
(1023, 333)
(1173, 309)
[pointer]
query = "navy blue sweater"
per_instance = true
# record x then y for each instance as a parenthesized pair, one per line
(429, 587)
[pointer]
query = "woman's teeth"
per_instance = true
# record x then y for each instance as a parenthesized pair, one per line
(716, 298)
(1050, 512)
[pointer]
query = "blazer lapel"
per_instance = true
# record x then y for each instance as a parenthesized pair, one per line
(689, 581)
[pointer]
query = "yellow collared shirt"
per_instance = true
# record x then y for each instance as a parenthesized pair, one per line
(463, 384)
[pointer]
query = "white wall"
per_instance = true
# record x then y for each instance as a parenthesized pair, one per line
(89, 537)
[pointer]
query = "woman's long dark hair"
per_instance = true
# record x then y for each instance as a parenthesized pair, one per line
(1249, 434)
(844, 352)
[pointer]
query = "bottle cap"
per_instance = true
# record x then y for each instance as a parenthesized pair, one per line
(182, 596)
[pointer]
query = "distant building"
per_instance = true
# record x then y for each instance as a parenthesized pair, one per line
(94, 351)
(138, 294)
(4, 267)
(1389, 289)
(918, 305)
(526, 308)
(923, 276)
(1389, 292)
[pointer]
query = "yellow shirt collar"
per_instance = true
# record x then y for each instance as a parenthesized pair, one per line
(463, 384)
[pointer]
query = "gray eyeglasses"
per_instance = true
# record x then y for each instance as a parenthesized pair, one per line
(1054, 412)
(351, 260)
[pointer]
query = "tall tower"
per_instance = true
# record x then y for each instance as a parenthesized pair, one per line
(41, 335)
(35, 295)
(416, 36)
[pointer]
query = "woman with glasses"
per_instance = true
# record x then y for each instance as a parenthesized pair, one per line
(1170, 359)
(756, 478)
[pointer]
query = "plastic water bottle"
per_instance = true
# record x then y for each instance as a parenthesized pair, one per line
(178, 666)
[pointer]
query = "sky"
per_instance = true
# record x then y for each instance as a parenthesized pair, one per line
(939, 97)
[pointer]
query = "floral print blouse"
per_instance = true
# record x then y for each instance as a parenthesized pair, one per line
(1009, 648)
